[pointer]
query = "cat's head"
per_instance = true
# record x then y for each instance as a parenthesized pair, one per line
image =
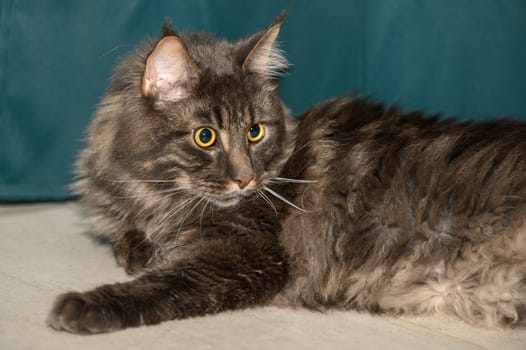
(203, 113)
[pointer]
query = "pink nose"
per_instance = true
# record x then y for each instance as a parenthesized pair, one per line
(243, 181)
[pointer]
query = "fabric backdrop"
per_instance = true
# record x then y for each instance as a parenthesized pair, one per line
(457, 57)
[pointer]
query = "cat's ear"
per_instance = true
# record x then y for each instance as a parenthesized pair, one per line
(170, 73)
(265, 58)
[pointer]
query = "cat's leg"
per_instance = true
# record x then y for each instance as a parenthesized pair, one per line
(132, 250)
(223, 274)
(481, 292)
(494, 297)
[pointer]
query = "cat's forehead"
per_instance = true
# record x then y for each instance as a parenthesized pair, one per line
(230, 101)
(229, 114)
(213, 54)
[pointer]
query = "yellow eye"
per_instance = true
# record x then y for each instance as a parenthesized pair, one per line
(205, 137)
(256, 132)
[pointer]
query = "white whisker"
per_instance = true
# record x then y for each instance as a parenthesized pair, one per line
(188, 214)
(515, 197)
(152, 193)
(154, 202)
(175, 242)
(170, 214)
(300, 181)
(168, 246)
(139, 181)
(201, 217)
(300, 148)
(266, 199)
(283, 199)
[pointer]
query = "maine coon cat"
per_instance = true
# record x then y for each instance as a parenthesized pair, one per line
(217, 199)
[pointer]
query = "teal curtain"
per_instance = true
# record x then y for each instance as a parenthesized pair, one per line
(462, 58)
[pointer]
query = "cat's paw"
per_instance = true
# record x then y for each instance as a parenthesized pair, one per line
(133, 252)
(74, 313)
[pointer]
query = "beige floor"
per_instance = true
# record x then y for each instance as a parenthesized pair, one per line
(44, 250)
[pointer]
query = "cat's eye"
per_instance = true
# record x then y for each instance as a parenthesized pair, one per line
(256, 132)
(205, 137)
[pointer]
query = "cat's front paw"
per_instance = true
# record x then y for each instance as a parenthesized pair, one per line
(75, 313)
(133, 252)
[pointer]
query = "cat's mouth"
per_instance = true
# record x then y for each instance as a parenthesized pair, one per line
(231, 198)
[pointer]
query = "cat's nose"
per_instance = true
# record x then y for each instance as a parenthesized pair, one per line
(243, 181)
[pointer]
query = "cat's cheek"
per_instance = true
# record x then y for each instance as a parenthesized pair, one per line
(73, 313)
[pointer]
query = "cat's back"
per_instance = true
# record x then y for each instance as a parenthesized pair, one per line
(351, 144)
(346, 122)
(401, 190)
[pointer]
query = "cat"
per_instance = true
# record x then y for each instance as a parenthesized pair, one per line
(216, 198)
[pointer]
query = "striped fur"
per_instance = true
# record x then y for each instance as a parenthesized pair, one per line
(352, 205)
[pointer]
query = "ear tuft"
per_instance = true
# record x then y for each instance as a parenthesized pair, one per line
(170, 73)
(168, 28)
(266, 58)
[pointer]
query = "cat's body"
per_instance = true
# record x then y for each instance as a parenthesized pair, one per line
(408, 214)
(395, 213)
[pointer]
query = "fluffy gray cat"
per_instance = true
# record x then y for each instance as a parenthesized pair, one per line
(217, 199)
